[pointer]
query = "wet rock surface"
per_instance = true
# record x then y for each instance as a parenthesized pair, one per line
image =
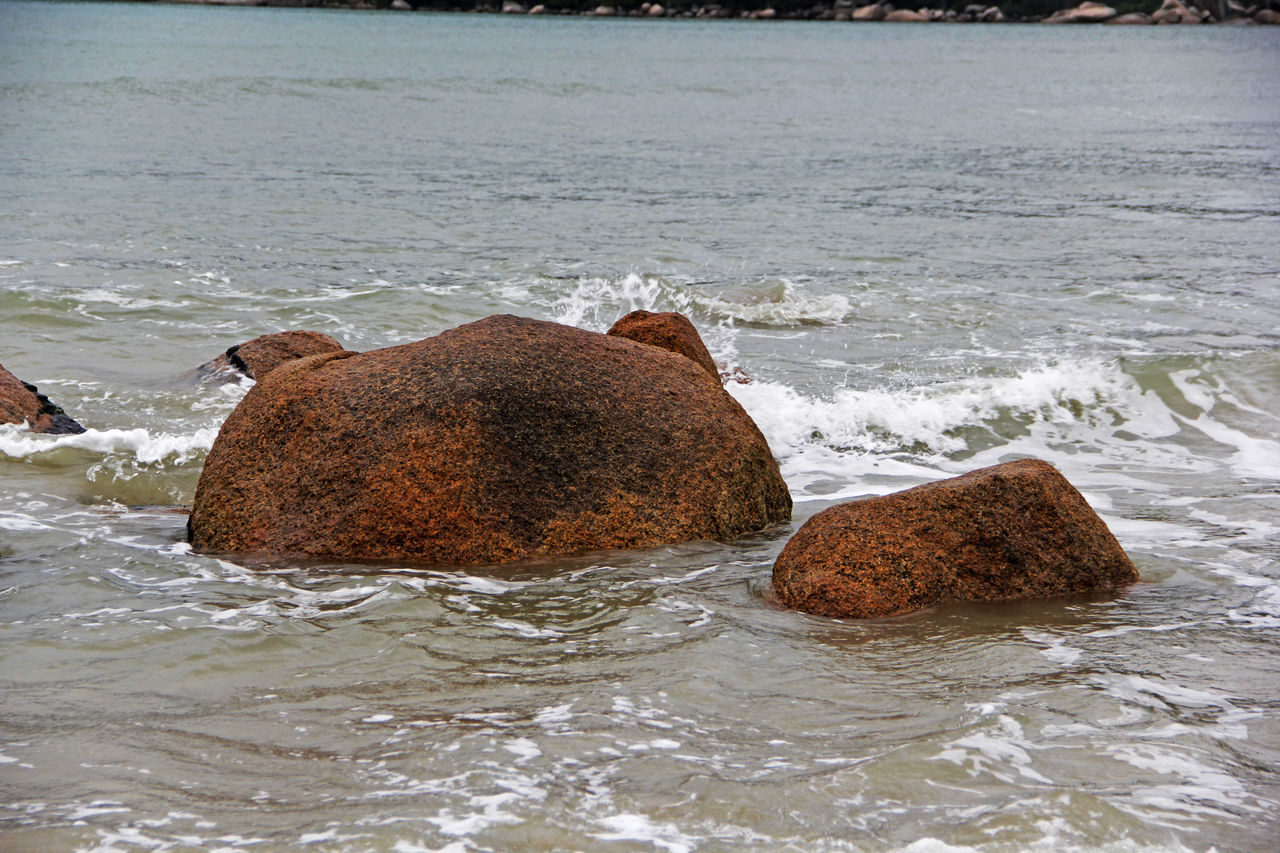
(1012, 531)
(669, 331)
(258, 357)
(493, 441)
(22, 402)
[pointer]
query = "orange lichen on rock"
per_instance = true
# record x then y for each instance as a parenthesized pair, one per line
(1012, 531)
(669, 331)
(22, 402)
(263, 354)
(494, 441)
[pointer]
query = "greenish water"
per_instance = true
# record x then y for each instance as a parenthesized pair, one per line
(931, 248)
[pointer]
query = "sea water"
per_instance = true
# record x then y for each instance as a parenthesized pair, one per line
(929, 248)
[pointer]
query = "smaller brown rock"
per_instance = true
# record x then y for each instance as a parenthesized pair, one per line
(22, 402)
(1012, 531)
(258, 357)
(669, 331)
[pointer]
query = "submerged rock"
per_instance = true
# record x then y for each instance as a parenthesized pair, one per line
(669, 331)
(258, 357)
(22, 402)
(493, 441)
(1012, 531)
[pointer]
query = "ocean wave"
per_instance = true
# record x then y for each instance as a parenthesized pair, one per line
(595, 302)
(143, 446)
(928, 420)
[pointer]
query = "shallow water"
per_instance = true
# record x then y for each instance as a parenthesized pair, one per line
(931, 248)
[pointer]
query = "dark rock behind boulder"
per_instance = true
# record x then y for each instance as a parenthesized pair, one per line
(258, 357)
(22, 402)
(493, 441)
(1012, 531)
(668, 330)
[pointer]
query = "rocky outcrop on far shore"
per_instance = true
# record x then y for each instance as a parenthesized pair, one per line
(1021, 11)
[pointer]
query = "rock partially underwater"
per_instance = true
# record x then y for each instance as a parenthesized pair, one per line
(1012, 531)
(258, 357)
(493, 441)
(669, 331)
(22, 402)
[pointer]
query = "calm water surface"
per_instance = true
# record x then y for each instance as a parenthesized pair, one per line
(932, 248)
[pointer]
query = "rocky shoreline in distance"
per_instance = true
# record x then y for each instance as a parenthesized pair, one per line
(1126, 12)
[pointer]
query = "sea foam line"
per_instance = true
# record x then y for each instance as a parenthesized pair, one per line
(17, 442)
(884, 420)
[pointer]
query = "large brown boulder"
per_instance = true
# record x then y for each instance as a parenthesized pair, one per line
(493, 441)
(22, 402)
(670, 331)
(258, 357)
(1012, 531)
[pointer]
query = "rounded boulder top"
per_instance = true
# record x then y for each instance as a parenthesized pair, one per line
(494, 441)
(257, 357)
(668, 331)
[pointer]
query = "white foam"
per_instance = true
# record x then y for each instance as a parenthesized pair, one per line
(553, 714)
(97, 808)
(112, 297)
(1252, 457)
(21, 522)
(1198, 784)
(1152, 693)
(147, 448)
(523, 748)
(1001, 752)
(1265, 606)
(783, 305)
(926, 418)
(596, 302)
(637, 827)
(933, 845)
(1055, 648)
(524, 629)
(466, 583)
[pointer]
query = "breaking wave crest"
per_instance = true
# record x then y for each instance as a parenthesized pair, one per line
(596, 302)
(932, 419)
(141, 445)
